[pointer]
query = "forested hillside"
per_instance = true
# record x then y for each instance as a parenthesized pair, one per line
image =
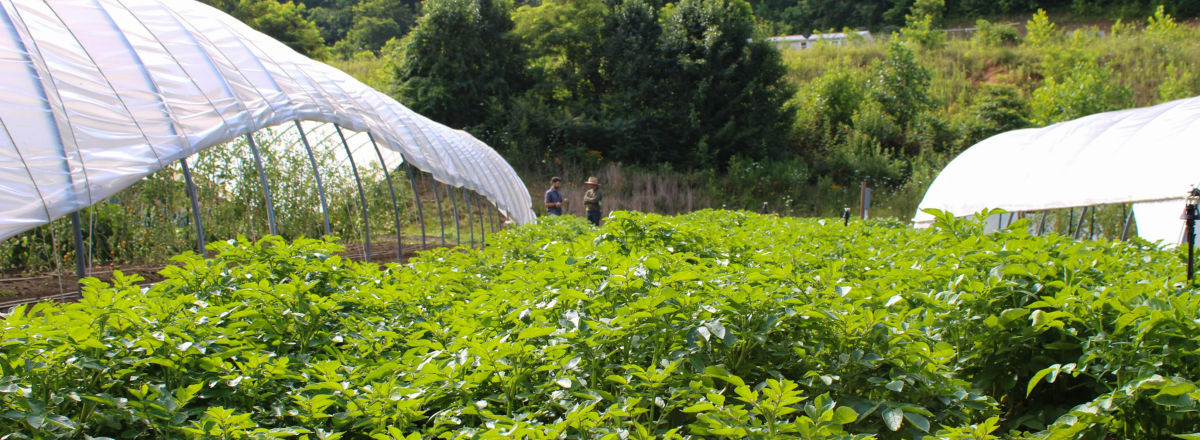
(689, 95)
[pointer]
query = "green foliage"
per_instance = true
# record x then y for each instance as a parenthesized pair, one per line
(1163, 27)
(687, 85)
(717, 324)
(989, 34)
(285, 22)
(561, 37)
(1178, 84)
(747, 181)
(901, 84)
(732, 89)
(921, 25)
(1001, 108)
(1040, 30)
(862, 156)
(460, 64)
(1088, 89)
(837, 97)
(378, 21)
(804, 16)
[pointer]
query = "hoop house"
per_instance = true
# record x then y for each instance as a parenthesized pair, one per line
(1145, 156)
(100, 93)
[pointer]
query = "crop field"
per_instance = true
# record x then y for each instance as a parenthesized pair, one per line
(714, 324)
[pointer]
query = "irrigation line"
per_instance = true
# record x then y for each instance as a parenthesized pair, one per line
(9, 280)
(262, 175)
(191, 192)
(362, 195)
(316, 173)
(62, 296)
(6, 305)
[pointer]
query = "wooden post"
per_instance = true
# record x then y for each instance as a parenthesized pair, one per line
(862, 201)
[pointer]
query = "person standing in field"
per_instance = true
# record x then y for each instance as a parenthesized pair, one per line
(591, 200)
(554, 199)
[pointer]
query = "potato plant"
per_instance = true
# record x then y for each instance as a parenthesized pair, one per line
(715, 324)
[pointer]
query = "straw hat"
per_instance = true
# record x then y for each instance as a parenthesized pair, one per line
(592, 181)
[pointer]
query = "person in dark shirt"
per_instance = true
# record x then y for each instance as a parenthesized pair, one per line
(554, 199)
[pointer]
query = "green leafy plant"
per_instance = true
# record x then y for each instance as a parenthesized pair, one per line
(715, 324)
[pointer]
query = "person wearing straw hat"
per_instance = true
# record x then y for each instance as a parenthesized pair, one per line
(591, 200)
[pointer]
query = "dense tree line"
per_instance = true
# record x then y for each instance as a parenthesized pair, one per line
(686, 84)
(349, 27)
(326, 28)
(691, 89)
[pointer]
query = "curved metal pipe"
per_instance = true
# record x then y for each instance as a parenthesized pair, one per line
(457, 228)
(395, 206)
(80, 257)
(262, 175)
(316, 173)
(191, 191)
(470, 220)
(417, 196)
(441, 214)
(482, 231)
(362, 196)
(492, 217)
(1125, 228)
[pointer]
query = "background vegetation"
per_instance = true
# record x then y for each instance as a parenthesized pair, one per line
(689, 93)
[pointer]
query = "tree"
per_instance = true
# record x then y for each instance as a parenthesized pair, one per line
(282, 21)
(377, 21)
(901, 84)
(334, 22)
(634, 78)
(460, 60)
(1087, 90)
(1001, 108)
(920, 26)
(563, 38)
(727, 95)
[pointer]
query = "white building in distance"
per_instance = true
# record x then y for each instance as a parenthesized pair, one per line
(835, 39)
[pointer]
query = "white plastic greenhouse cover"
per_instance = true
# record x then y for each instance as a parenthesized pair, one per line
(1145, 156)
(97, 94)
